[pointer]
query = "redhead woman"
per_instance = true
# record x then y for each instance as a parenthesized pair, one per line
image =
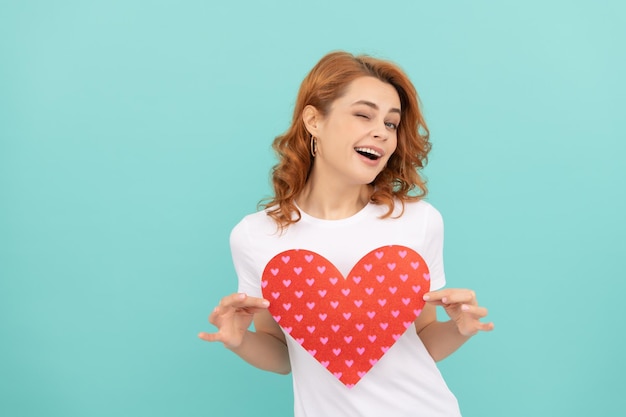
(342, 272)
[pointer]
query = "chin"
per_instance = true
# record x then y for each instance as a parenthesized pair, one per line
(369, 180)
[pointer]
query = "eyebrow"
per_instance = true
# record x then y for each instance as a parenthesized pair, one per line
(375, 107)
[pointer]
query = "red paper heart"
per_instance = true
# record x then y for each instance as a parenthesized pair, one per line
(347, 324)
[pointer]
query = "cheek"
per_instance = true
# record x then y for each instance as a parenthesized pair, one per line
(393, 145)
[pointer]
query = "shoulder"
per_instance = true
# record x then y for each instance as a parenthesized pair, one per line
(254, 223)
(419, 217)
(253, 219)
(419, 208)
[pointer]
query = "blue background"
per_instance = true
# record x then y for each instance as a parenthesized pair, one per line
(135, 134)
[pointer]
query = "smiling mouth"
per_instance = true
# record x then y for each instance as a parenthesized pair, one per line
(368, 153)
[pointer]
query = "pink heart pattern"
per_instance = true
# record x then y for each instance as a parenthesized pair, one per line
(346, 323)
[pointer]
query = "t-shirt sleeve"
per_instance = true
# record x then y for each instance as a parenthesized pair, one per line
(433, 249)
(240, 249)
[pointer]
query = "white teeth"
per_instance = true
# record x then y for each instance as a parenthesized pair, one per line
(368, 150)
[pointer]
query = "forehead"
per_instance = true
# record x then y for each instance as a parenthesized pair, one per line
(371, 89)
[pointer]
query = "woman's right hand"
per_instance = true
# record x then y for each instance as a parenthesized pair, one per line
(233, 317)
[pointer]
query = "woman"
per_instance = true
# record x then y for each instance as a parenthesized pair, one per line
(348, 192)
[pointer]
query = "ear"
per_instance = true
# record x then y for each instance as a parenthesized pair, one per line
(311, 118)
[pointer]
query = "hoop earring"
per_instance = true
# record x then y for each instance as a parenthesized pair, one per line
(313, 146)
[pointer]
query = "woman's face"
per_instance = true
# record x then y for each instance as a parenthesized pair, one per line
(359, 134)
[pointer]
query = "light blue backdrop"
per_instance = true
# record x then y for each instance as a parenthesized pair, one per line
(135, 134)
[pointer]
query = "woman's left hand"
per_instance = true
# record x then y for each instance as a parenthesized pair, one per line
(463, 309)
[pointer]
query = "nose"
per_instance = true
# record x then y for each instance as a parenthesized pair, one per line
(380, 131)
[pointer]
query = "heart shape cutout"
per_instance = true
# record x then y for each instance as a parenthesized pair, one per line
(346, 323)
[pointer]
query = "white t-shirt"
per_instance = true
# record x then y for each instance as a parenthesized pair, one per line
(405, 381)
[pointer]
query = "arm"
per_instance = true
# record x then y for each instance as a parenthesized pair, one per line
(441, 339)
(265, 348)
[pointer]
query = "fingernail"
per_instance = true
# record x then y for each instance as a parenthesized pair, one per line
(426, 297)
(464, 307)
(265, 303)
(241, 296)
(444, 300)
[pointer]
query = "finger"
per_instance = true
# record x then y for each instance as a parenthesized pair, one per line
(436, 303)
(460, 296)
(475, 311)
(221, 313)
(209, 337)
(437, 296)
(451, 296)
(470, 329)
(480, 326)
(240, 300)
(486, 327)
(214, 316)
(231, 299)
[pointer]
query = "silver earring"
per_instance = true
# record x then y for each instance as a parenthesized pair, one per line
(313, 146)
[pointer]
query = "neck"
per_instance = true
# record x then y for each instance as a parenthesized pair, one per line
(331, 200)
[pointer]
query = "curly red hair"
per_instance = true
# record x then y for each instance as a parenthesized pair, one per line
(326, 82)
